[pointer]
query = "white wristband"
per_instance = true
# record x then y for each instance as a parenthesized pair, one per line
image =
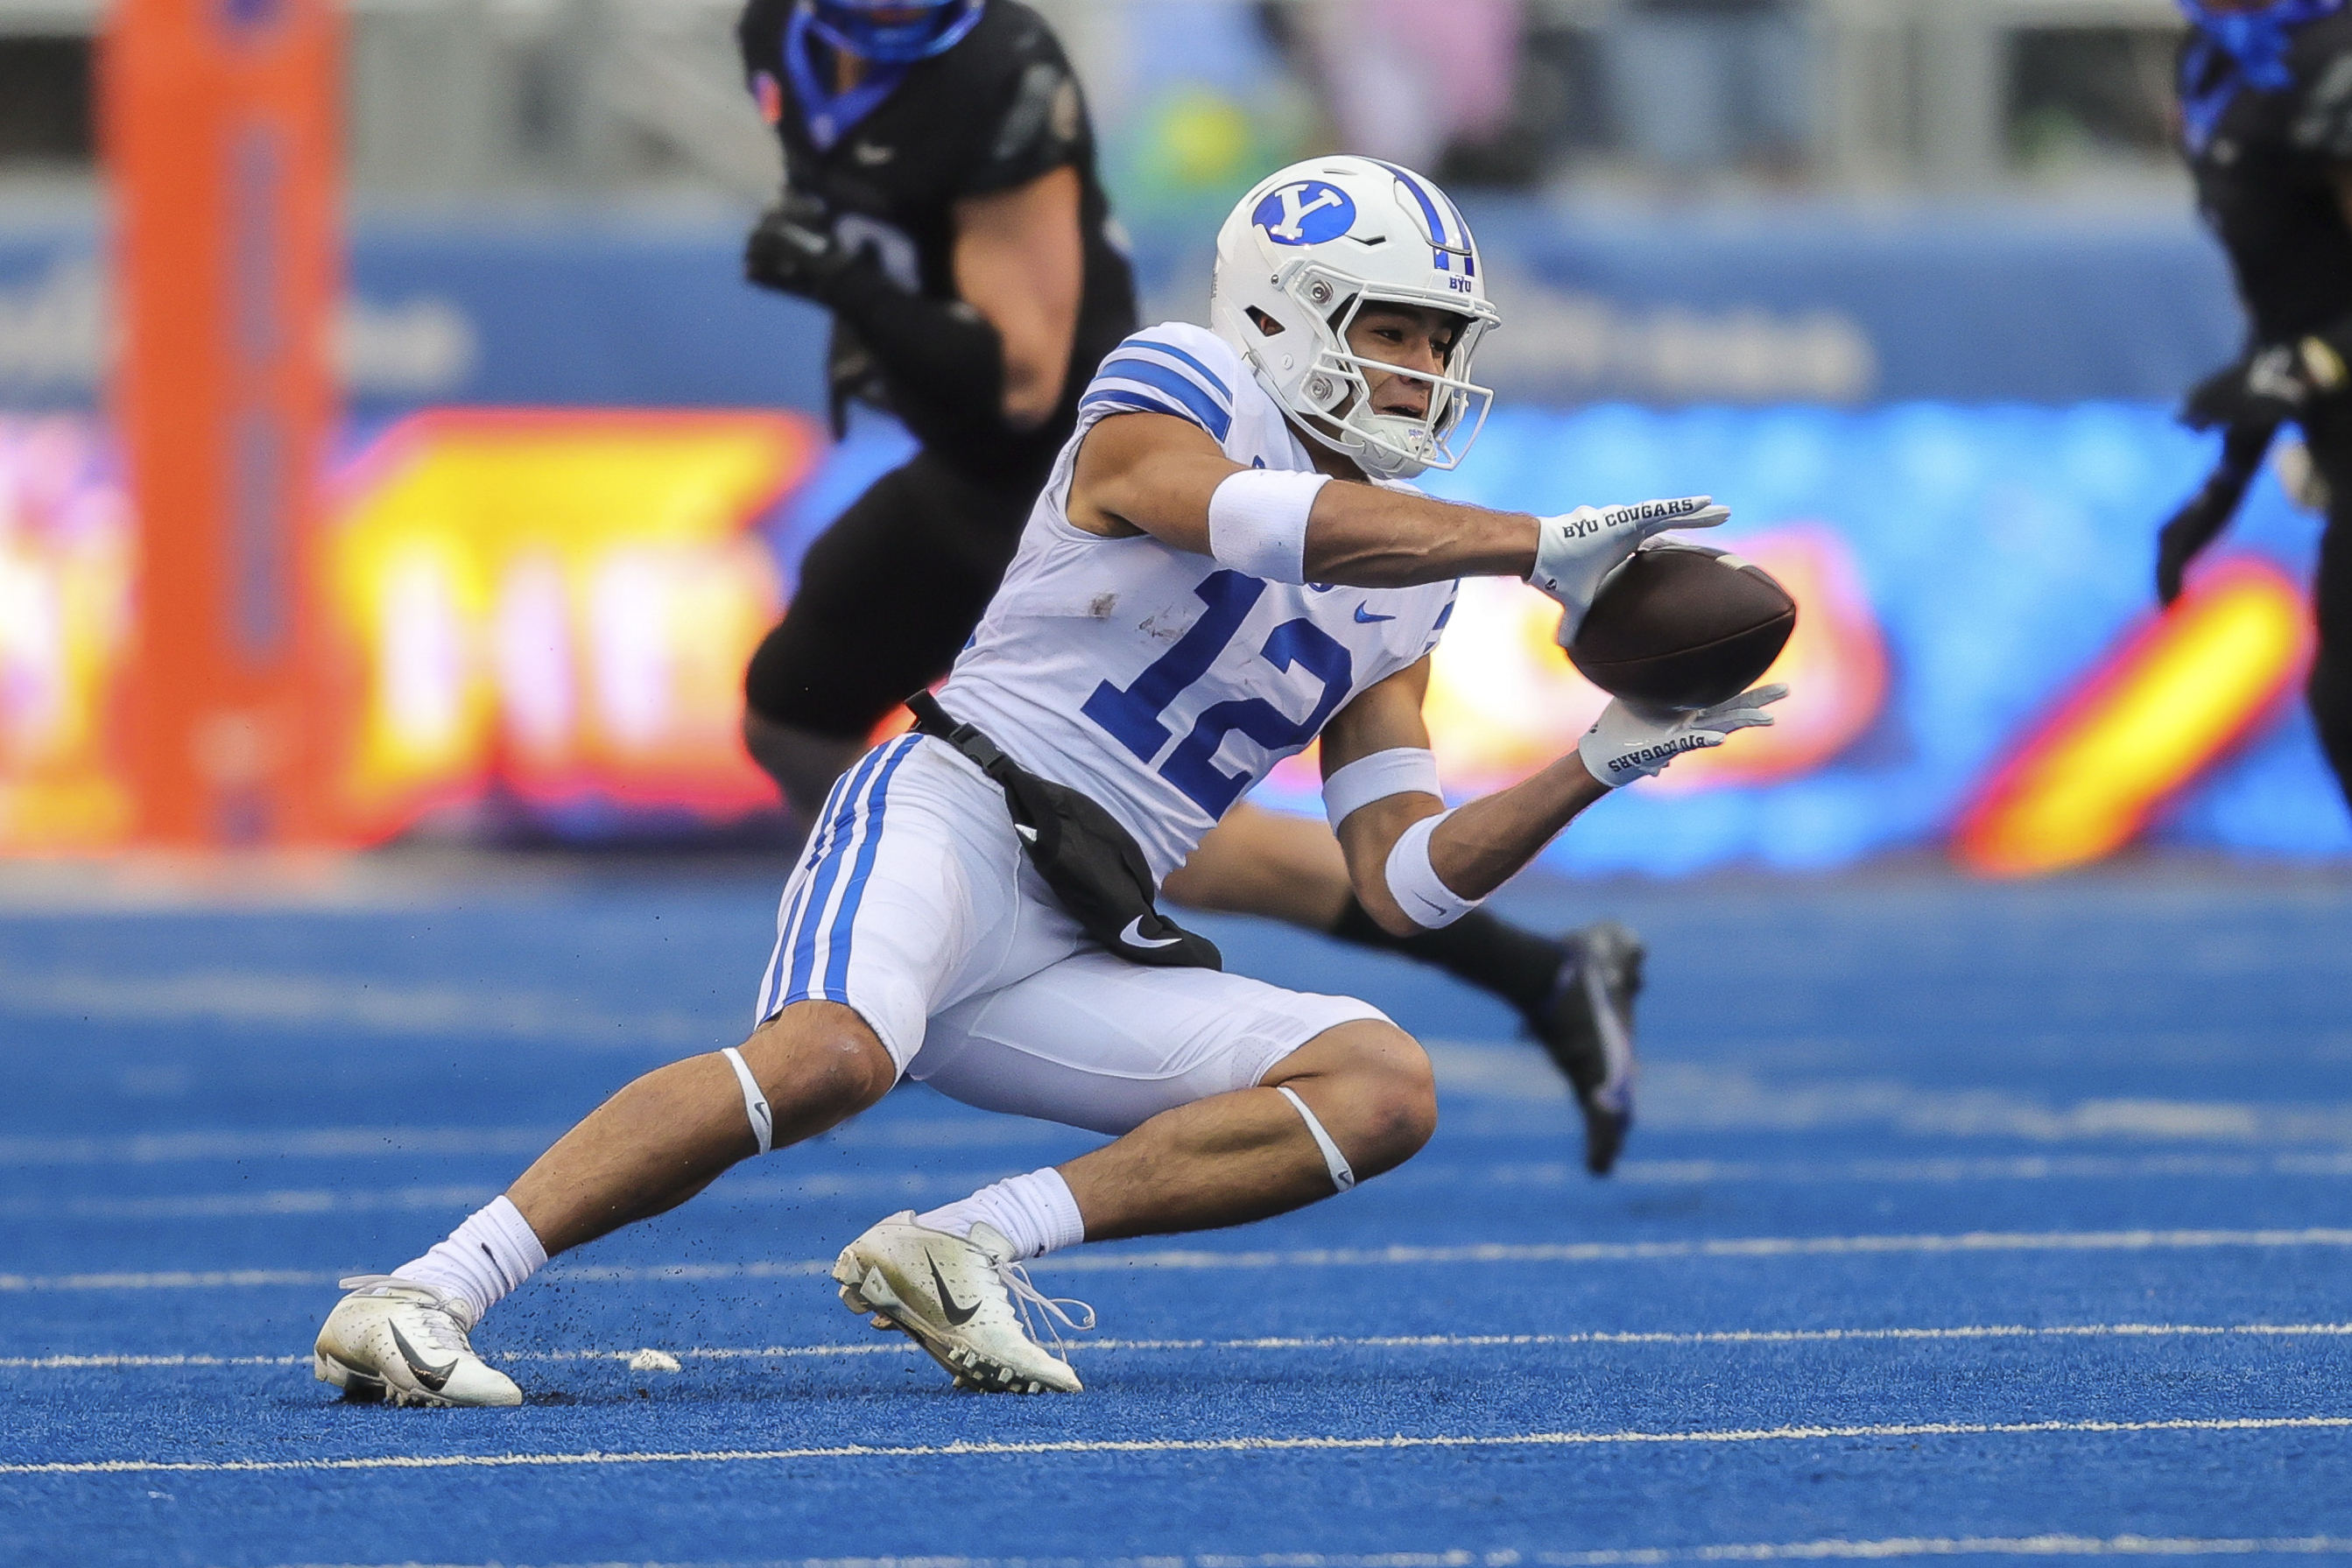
(1400, 770)
(1412, 881)
(1257, 522)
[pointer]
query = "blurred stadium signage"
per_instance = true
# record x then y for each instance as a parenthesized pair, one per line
(2179, 692)
(550, 612)
(560, 607)
(1819, 305)
(553, 610)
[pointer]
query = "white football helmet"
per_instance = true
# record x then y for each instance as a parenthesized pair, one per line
(1306, 250)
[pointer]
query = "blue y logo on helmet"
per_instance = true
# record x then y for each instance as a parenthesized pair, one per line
(1306, 211)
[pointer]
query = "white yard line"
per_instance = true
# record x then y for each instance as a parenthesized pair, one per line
(346, 1143)
(2051, 1546)
(277, 1201)
(896, 1345)
(1758, 1247)
(1939, 1546)
(249, 998)
(1239, 1445)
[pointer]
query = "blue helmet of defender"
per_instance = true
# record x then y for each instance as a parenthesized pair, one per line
(893, 32)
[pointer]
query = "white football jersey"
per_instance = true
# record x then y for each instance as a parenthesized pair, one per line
(1156, 680)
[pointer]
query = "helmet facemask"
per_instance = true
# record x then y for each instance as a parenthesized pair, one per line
(1335, 393)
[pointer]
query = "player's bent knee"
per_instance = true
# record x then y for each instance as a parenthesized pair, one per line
(1404, 1114)
(821, 1061)
(1377, 1083)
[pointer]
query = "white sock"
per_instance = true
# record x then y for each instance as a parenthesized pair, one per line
(492, 1253)
(1034, 1212)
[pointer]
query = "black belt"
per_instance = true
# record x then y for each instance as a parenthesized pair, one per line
(1092, 863)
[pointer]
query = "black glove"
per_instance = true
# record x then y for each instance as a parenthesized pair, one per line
(2268, 387)
(793, 251)
(943, 364)
(2201, 520)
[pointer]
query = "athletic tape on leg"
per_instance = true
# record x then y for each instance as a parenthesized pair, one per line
(755, 1104)
(1337, 1163)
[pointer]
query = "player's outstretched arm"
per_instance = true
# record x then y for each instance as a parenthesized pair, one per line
(1156, 474)
(1416, 865)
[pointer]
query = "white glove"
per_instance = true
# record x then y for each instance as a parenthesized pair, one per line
(1629, 743)
(1575, 549)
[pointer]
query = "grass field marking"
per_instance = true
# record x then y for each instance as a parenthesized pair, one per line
(933, 1132)
(1714, 1097)
(309, 1000)
(244, 1205)
(1252, 1445)
(2052, 1545)
(2019, 1168)
(293, 1143)
(1957, 1546)
(342, 1143)
(109, 1363)
(1365, 1342)
(239, 1205)
(1741, 1246)
(172, 1279)
(1315, 1257)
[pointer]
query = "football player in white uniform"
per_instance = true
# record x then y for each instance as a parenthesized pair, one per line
(1226, 563)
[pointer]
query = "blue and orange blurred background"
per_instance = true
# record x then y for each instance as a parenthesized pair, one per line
(1910, 284)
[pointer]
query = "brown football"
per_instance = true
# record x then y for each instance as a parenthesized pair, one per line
(1681, 625)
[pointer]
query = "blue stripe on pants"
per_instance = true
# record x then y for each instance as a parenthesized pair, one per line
(836, 961)
(802, 937)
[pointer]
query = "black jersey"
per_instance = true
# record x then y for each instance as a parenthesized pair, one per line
(999, 108)
(2264, 182)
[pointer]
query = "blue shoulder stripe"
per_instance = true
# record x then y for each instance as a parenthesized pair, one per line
(1143, 402)
(1173, 353)
(1174, 383)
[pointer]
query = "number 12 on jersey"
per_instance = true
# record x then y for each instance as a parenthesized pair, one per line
(1132, 714)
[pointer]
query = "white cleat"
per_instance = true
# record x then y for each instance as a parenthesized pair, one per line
(393, 1338)
(957, 1299)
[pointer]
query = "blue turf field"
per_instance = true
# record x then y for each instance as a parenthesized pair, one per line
(1961, 1221)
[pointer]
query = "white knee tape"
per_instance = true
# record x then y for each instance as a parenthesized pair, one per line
(755, 1104)
(1337, 1163)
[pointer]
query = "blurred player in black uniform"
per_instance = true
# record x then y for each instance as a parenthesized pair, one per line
(2266, 114)
(941, 200)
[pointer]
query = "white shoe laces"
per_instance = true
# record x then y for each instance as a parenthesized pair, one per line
(1026, 1295)
(438, 1320)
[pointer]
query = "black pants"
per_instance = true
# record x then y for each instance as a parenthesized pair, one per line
(2329, 430)
(887, 596)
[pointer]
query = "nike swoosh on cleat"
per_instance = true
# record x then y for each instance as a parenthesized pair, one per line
(956, 1315)
(1364, 620)
(427, 1374)
(1132, 935)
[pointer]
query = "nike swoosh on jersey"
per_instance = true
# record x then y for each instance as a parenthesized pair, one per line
(957, 1316)
(1364, 620)
(1132, 935)
(873, 156)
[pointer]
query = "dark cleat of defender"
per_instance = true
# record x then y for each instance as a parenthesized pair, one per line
(1587, 1025)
